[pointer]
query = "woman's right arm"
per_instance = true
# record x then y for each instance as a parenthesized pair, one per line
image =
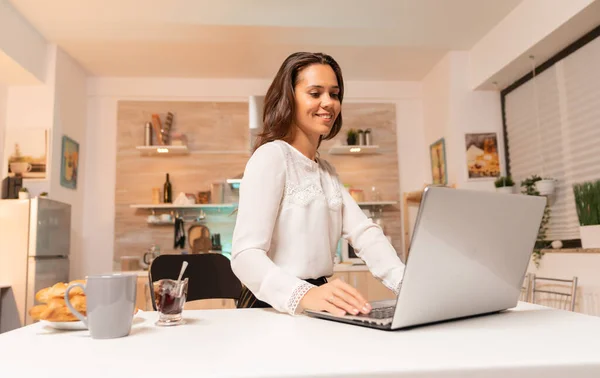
(261, 192)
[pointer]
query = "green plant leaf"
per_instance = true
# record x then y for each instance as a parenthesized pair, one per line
(587, 202)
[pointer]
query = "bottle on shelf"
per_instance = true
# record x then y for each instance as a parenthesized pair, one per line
(167, 194)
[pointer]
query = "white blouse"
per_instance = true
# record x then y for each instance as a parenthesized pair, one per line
(292, 212)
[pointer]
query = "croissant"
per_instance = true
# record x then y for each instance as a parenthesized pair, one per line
(58, 314)
(36, 311)
(57, 310)
(58, 291)
(42, 295)
(54, 308)
(52, 314)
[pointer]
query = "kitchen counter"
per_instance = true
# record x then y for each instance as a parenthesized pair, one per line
(350, 268)
(336, 268)
(528, 341)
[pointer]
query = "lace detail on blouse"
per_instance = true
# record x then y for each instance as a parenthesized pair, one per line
(396, 290)
(302, 194)
(335, 200)
(297, 295)
(303, 183)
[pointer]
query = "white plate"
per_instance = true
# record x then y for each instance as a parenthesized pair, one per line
(67, 326)
(78, 325)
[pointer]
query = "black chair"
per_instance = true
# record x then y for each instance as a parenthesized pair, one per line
(209, 275)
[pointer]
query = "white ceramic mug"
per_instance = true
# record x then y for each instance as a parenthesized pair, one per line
(110, 302)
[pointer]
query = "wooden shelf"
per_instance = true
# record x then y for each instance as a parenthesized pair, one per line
(168, 206)
(234, 183)
(163, 150)
(161, 223)
(354, 150)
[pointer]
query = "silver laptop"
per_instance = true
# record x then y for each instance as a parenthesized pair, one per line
(468, 256)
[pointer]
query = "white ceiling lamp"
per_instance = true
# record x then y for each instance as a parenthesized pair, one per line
(255, 112)
(255, 124)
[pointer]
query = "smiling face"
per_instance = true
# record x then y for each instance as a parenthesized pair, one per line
(317, 100)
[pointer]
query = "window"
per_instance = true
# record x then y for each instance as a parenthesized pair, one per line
(552, 129)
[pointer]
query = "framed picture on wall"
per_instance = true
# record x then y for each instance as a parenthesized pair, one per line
(482, 155)
(439, 170)
(69, 166)
(27, 152)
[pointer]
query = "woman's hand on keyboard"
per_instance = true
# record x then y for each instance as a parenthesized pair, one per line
(335, 297)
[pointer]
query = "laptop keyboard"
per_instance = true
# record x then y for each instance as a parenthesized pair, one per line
(380, 313)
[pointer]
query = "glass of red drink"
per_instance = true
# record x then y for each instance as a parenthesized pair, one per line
(170, 297)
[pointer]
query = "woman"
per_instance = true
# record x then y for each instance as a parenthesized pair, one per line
(293, 208)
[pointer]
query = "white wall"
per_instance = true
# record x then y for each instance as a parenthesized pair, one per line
(472, 112)
(104, 93)
(436, 112)
(22, 42)
(3, 101)
(521, 30)
(60, 106)
(452, 109)
(70, 119)
(29, 107)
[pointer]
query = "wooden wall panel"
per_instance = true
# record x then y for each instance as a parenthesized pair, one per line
(380, 170)
(218, 139)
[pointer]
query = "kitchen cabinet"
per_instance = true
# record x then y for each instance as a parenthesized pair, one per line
(367, 285)
(376, 291)
(362, 280)
(359, 281)
(339, 275)
(143, 299)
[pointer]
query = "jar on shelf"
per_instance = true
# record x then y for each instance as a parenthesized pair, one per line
(357, 194)
(155, 196)
(368, 140)
(361, 138)
(217, 192)
(375, 194)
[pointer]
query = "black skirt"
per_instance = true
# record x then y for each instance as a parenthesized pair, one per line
(248, 300)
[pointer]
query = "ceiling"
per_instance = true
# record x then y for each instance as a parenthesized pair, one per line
(569, 32)
(11, 72)
(371, 39)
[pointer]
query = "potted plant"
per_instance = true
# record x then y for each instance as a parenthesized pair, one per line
(23, 193)
(546, 186)
(587, 202)
(531, 189)
(44, 194)
(351, 137)
(541, 187)
(504, 184)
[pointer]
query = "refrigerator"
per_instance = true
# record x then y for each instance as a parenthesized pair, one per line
(35, 243)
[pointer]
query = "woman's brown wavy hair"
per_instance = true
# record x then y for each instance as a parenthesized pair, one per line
(279, 105)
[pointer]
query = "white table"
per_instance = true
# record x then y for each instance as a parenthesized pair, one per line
(530, 341)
